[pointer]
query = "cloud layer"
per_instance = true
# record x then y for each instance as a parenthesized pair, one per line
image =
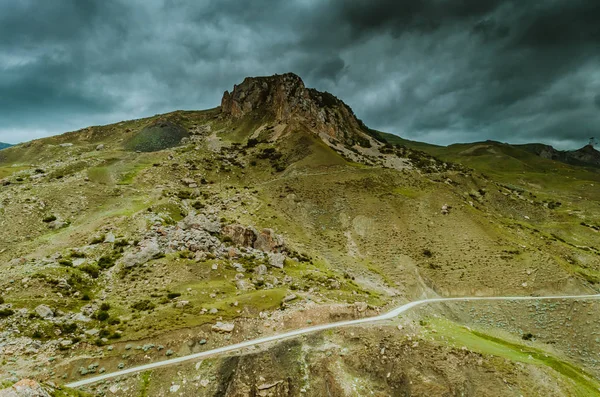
(440, 71)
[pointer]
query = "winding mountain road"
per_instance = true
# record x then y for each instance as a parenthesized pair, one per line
(303, 331)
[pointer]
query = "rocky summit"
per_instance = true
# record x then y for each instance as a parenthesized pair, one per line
(287, 100)
(165, 237)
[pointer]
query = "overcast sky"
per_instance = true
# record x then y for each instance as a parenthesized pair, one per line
(429, 70)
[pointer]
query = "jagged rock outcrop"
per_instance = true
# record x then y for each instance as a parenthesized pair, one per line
(285, 98)
(266, 240)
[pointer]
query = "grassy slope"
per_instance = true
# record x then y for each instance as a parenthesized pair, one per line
(368, 223)
(583, 383)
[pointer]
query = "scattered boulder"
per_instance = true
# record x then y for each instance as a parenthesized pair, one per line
(222, 327)
(57, 224)
(110, 238)
(182, 304)
(276, 260)
(260, 270)
(200, 222)
(445, 209)
(189, 182)
(361, 306)
(149, 249)
(100, 146)
(290, 298)
(44, 311)
(25, 388)
(243, 285)
(334, 284)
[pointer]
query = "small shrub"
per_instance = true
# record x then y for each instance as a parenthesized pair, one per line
(143, 305)
(49, 218)
(114, 321)
(6, 313)
(92, 270)
(527, 336)
(85, 297)
(427, 253)
(102, 315)
(173, 295)
(65, 262)
(98, 239)
(67, 328)
(120, 243)
(1, 300)
(77, 254)
(198, 205)
(252, 142)
(184, 194)
(105, 307)
(106, 262)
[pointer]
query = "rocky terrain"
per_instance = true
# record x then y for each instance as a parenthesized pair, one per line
(153, 238)
(586, 156)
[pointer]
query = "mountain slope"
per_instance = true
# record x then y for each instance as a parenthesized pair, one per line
(277, 209)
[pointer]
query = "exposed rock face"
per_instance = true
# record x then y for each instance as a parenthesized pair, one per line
(25, 388)
(201, 222)
(268, 241)
(285, 98)
(240, 235)
(586, 156)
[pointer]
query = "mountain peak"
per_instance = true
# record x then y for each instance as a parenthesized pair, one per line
(282, 94)
(286, 99)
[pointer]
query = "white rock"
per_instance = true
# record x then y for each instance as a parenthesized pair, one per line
(276, 260)
(44, 311)
(223, 327)
(110, 238)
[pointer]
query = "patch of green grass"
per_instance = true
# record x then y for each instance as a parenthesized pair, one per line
(100, 175)
(145, 383)
(584, 383)
(159, 135)
(8, 171)
(407, 192)
(172, 210)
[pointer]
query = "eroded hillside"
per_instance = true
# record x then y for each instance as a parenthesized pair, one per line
(157, 237)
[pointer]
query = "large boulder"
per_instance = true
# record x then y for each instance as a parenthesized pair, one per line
(276, 260)
(149, 249)
(240, 235)
(200, 222)
(268, 241)
(223, 327)
(44, 311)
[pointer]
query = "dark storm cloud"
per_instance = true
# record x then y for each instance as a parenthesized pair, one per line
(436, 70)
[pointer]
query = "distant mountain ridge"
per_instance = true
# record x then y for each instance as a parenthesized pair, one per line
(4, 145)
(586, 156)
